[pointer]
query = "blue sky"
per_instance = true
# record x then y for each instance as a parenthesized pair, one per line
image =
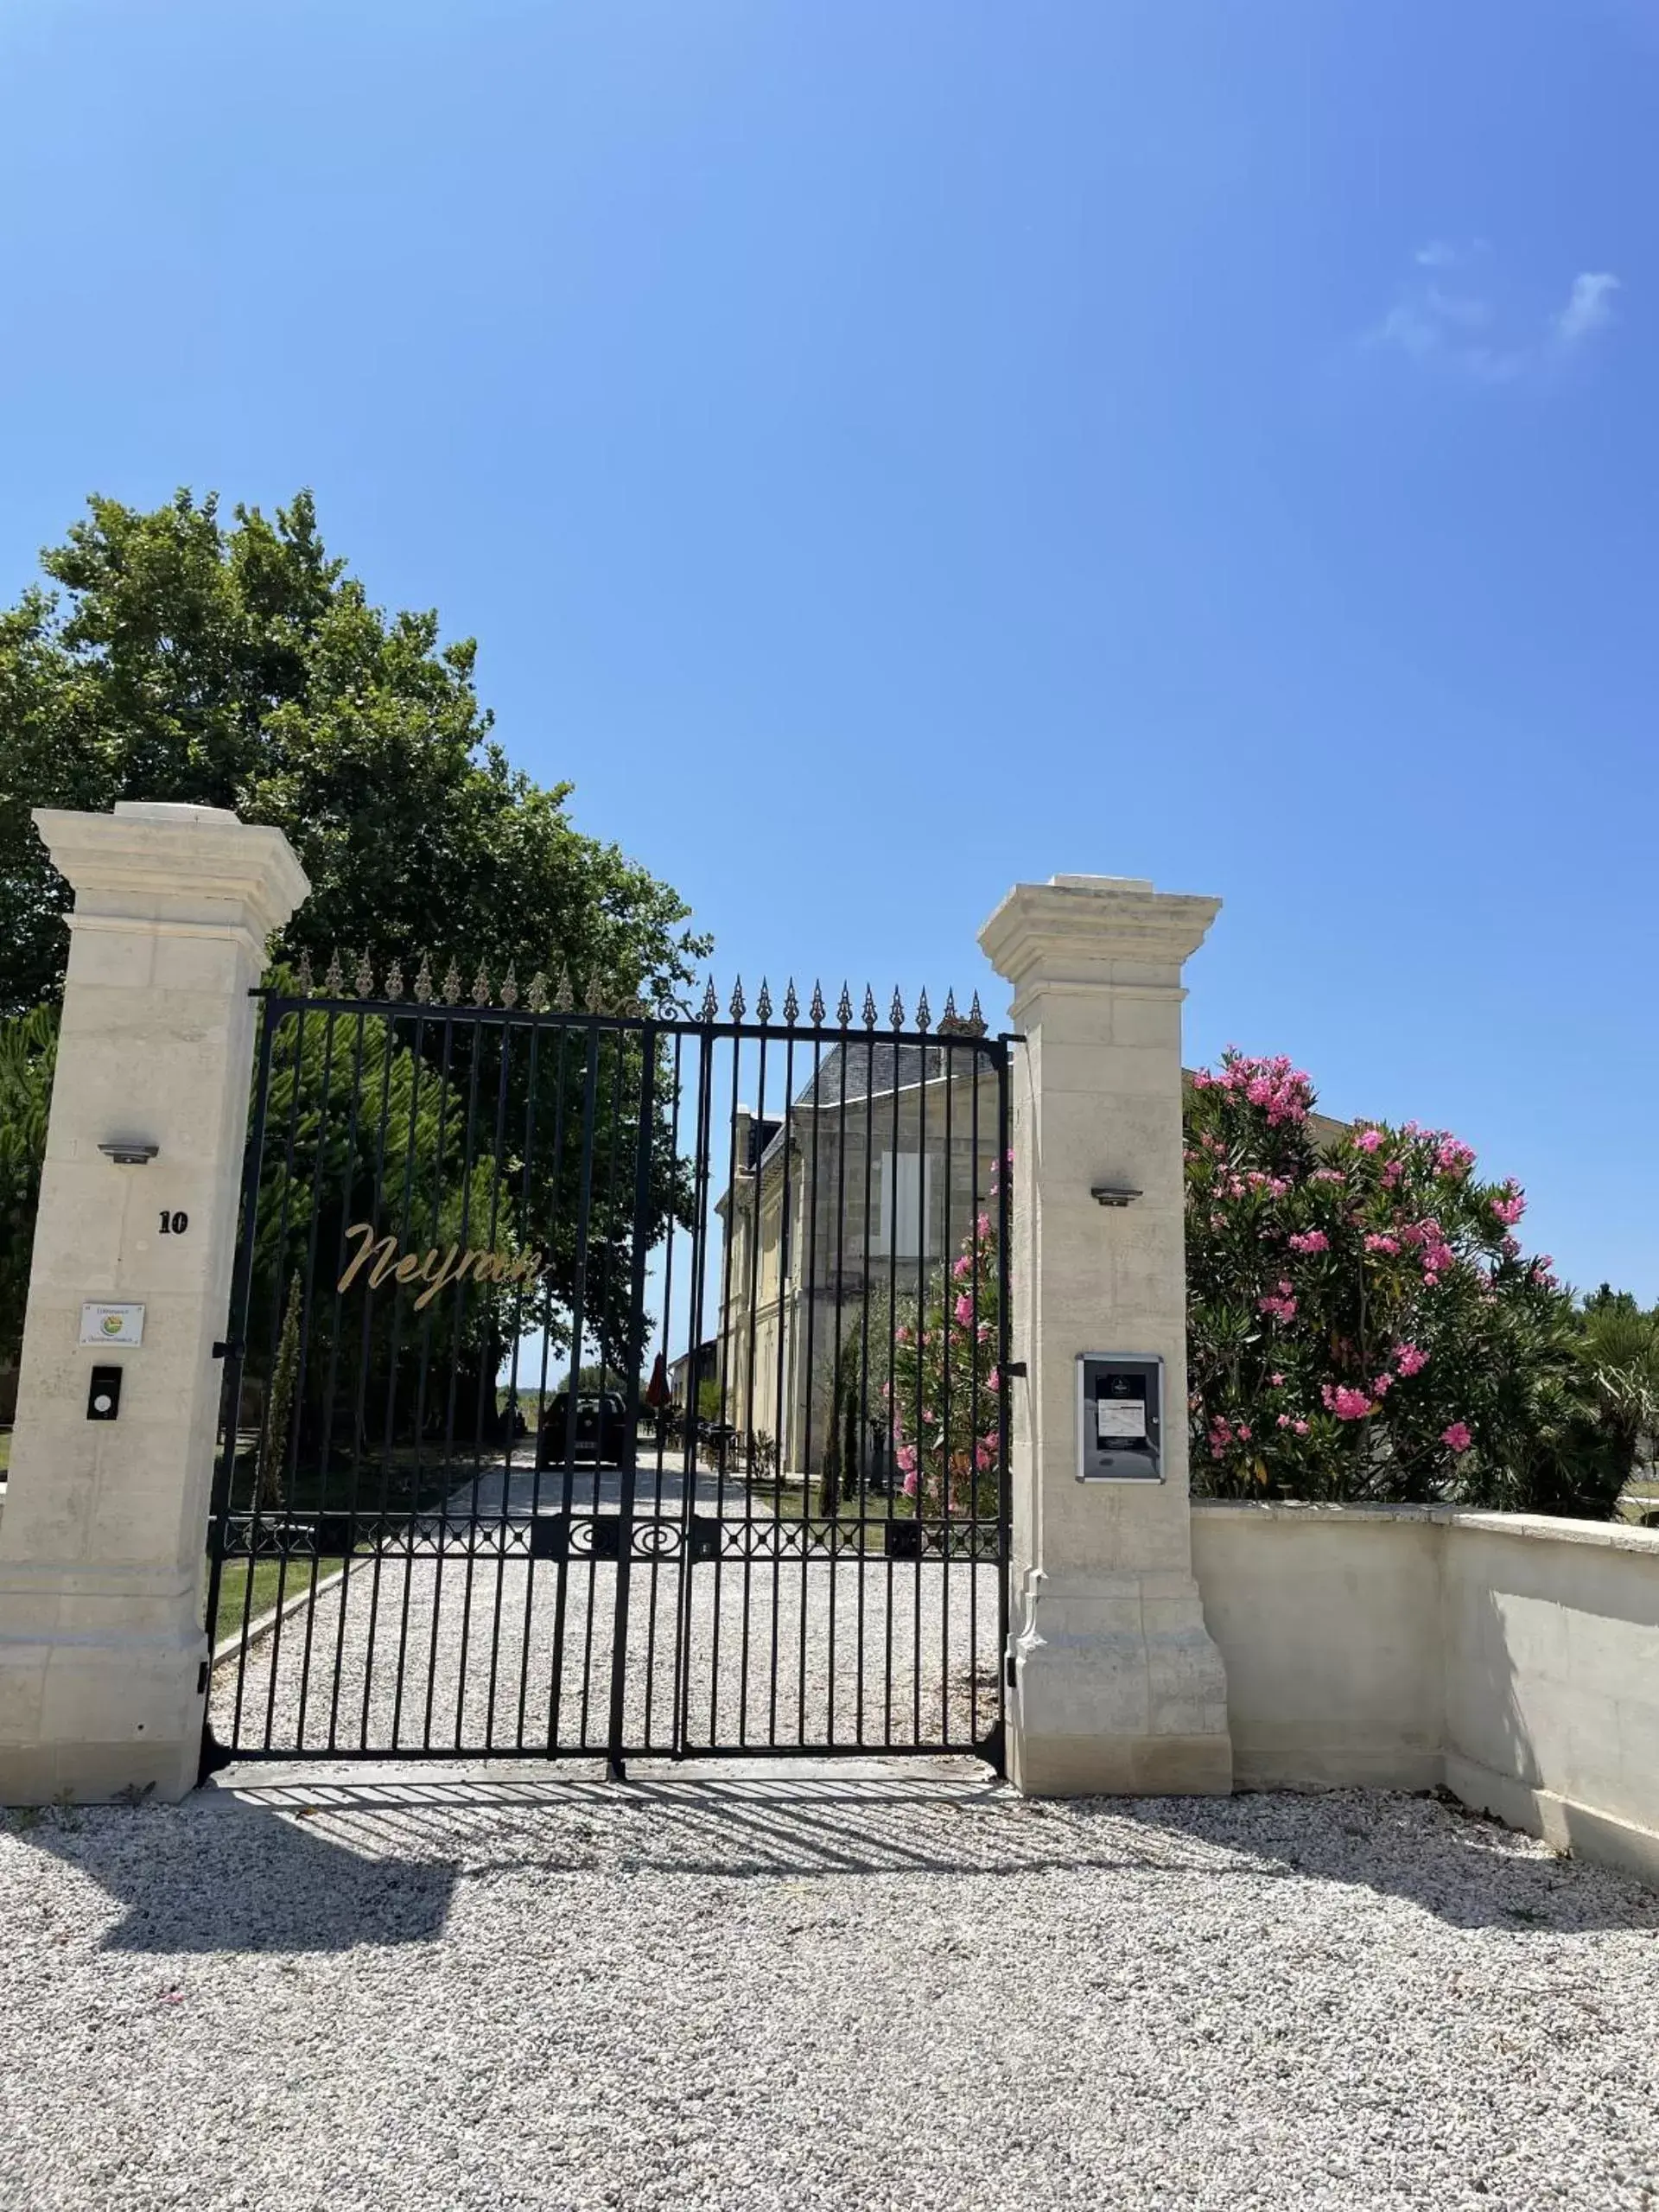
(889, 450)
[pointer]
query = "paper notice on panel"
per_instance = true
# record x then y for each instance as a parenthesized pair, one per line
(1120, 1420)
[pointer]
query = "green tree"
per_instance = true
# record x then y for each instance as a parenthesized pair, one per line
(169, 656)
(241, 666)
(28, 1051)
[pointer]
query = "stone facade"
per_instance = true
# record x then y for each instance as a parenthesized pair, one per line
(829, 1242)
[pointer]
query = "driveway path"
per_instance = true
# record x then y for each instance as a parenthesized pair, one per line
(908, 1993)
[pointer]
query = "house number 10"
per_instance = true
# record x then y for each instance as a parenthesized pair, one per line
(174, 1224)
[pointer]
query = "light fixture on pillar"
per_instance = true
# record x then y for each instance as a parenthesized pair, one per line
(129, 1151)
(1113, 1194)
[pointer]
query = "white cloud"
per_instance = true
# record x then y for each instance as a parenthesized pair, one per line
(1461, 330)
(1447, 253)
(1589, 305)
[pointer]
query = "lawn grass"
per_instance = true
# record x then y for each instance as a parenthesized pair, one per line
(267, 1577)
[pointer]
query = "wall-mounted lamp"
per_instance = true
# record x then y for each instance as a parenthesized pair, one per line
(1114, 1194)
(129, 1151)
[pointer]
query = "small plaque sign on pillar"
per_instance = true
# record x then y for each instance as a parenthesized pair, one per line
(1120, 1418)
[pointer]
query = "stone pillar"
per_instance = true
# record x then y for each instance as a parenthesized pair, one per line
(103, 1650)
(1117, 1685)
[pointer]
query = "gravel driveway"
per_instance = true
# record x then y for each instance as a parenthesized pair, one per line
(852, 1989)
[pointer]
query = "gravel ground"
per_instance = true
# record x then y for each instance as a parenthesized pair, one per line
(887, 1988)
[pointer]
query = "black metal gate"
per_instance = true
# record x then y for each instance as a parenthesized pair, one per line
(600, 1383)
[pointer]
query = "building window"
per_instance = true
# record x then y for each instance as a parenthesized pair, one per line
(904, 1187)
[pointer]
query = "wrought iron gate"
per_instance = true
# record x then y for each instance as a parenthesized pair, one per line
(602, 1383)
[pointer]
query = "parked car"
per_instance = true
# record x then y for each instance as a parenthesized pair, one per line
(600, 1432)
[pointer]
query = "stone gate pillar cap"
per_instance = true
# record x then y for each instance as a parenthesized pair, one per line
(174, 811)
(1102, 882)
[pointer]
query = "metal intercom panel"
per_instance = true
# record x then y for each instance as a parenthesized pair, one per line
(1119, 1417)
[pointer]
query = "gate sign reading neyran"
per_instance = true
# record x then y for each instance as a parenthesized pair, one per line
(435, 1269)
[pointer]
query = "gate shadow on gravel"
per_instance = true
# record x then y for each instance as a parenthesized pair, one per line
(1464, 1872)
(240, 1880)
(307, 1866)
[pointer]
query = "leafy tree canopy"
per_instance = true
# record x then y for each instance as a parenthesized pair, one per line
(169, 656)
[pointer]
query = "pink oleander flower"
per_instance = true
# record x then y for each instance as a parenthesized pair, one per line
(963, 1308)
(1368, 1140)
(909, 1485)
(1284, 1421)
(1392, 1170)
(1438, 1257)
(1281, 1309)
(965, 1266)
(905, 1457)
(1327, 1175)
(993, 1380)
(1277, 1380)
(1346, 1403)
(1454, 1157)
(984, 1225)
(1457, 1436)
(901, 1336)
(1511, 1208)
(1409, 1360)
(1299, 1427)
(1381, 1384)
(1243, 1432)
(1510, 1247)
(1376, 1242)
(1311, 1240)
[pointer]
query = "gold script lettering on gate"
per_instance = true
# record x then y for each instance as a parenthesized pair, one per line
(435, 1269)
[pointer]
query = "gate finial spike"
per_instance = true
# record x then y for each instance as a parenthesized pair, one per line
(870, 1007)
(334, 984)
(302, 975)
(509, 988)
(593, 996)
(538, 993)
(737, 999)
(791, 1004)
(481, 987)
(451, 983)
(975, 1019)
(363, 983)
(763, 1004)
(844, 1011)
(948, 1018)
(423, 981)
(395, 980)
(564, 999)
(710, 1010)
(816, 1010)
(896, 1010)
(923, 1015)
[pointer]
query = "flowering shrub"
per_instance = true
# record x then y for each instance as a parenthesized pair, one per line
(1362, 1322)
(947, 1385)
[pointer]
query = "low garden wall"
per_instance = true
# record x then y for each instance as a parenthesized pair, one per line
(1514, 1660)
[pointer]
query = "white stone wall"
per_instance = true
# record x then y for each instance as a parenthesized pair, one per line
(1513, 1659)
